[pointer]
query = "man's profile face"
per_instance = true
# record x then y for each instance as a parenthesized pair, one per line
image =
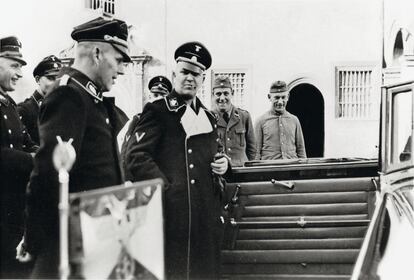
(186, 82)
(279, 101)
(10, 73)
(111, 64)
(223, 98)
(45, 83)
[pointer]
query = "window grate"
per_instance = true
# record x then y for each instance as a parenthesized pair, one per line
(354, 98)
(107, 7)
(238, 81)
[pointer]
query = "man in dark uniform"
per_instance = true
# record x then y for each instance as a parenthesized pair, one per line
(45, 75)
(159, 86)
(76, 110)
(16, 158)
(176, 140)
(235, 125)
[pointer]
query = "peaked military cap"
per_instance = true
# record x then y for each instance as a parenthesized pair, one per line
(278, 86)
(160, 84)
(112, 31)
(10, 48)
(49, 66)
(194, 53)
(222, 81)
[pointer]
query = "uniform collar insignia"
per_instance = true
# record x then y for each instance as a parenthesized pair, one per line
(37, 97)
(173, 102)
(82, 80)
(236, 113)
(4, 100)
(93, 90)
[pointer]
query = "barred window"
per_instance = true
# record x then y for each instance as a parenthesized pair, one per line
(107, 7)
(238, 81)
(354, 93)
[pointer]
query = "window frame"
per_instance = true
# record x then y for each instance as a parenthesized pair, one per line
(373, 99)
(387, 105)
(207, 89)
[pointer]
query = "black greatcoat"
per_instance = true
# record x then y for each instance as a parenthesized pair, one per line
(29, 112)
(16, 163)
(159, 148)
(74, 109)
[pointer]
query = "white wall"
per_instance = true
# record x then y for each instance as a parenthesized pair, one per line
(43, 27)
(288, 40)
(275, 39)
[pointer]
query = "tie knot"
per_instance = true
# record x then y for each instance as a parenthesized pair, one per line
(226, 117)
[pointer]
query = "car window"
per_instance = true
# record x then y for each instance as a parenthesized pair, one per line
(401, 127)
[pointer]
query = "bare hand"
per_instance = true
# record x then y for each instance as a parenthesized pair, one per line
(21, 254)
(220, 165)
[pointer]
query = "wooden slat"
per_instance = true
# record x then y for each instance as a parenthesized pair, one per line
(302, 233)
(288, 268)
(300, 224)
(306, 209)
(307, 186)
(287, 277)
(297, 244)
(306, 198)
(307, 218)
(290, 256)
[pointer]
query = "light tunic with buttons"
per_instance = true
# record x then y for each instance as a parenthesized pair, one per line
(279, 137)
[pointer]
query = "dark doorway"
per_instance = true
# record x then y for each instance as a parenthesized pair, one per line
(306, 102)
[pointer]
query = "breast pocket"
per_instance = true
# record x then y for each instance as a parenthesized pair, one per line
(240, 136)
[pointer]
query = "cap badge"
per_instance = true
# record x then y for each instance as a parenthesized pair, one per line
(53, 58)
(222, 84)
(55, 65)
(198, 48)
(194, 58)
(160, 79)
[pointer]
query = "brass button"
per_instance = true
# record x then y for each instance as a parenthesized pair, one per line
(192, 181)
(191, 166)
(190, 151)
(5, 117)
(11, 146)
(9, 131)
(107, 121)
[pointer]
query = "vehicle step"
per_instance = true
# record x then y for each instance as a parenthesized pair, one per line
(306, 198)
(298, 244)
(290, 256)
(287, 277)
(307, 186)
(299, 223)
(302, 233)
(307, 218)
(306, 209)
(288, 268)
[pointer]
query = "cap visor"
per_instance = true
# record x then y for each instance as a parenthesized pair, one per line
(18, 59)
(124, 51)
(190, 66)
